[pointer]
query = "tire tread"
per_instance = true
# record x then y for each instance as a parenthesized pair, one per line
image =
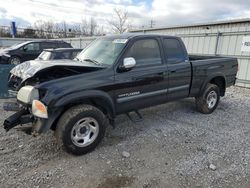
(201, 100)
(66, 119)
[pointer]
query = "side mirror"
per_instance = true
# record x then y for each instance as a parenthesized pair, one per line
(25, 48)
(128, 63)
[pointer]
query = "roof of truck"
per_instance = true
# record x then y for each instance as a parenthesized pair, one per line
(131, 35)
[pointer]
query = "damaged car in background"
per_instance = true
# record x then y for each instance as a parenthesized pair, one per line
(29, 50)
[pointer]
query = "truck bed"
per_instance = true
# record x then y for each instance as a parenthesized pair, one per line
(204, 67)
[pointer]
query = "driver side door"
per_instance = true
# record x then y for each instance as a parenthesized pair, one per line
(146, 83)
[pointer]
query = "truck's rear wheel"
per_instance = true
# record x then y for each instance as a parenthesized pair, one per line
(80, 129)
(208, 101)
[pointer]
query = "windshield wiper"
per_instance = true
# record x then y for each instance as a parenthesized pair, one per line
(77, 59)
(92, 61)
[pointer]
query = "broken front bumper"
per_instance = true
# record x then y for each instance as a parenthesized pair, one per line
(21, 117)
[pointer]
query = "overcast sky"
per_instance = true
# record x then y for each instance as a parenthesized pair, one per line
(163, 12)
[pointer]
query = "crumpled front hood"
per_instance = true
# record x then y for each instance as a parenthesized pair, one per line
(30, 68)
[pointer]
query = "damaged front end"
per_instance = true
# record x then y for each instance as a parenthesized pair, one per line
(35, 72)
(28, 110)
(19, 118)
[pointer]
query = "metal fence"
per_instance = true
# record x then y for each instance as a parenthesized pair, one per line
(81, 42)
(6, 42)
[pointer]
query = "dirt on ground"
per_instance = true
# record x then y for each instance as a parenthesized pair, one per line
(174, 146)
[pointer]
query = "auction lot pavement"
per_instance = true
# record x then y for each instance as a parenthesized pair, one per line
(174, 146)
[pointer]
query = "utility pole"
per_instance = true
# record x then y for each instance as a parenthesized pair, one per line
(64, 29)
(152, 23)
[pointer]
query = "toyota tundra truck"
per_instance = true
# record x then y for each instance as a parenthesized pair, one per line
(114, 75)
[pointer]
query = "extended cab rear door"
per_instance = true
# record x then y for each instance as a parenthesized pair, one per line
(179, 68)
(146, 83)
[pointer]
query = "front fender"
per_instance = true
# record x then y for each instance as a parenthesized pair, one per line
(82, 95)
(56, 107)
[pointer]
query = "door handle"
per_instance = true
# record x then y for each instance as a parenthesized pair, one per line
(173, 71)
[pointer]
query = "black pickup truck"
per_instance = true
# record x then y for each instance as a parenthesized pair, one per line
(114, 75)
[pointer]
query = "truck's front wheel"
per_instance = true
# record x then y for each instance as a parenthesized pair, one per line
(207, 102)
(81, 128)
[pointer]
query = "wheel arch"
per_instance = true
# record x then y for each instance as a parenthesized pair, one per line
(217, 79)
(221, 83)
(99, 99)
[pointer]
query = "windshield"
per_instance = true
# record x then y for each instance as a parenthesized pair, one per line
(103, 51)
(45, 55)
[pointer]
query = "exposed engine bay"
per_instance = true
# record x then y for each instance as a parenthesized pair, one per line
(35, 72)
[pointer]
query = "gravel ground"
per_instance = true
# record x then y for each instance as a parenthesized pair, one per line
(174, 146)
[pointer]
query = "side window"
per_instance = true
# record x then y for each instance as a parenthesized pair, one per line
(145, 52)
(66, 55)
(174, 51)
(31, 47)
(48, 45)
(74, 54)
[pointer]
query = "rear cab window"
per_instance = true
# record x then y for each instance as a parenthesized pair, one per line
(174, 50)
(145, 52)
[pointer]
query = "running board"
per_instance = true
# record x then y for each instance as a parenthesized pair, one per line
(135, 116)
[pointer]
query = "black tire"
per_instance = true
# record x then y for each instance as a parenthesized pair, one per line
(66, 128)
(15, 60)
(202, 102)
